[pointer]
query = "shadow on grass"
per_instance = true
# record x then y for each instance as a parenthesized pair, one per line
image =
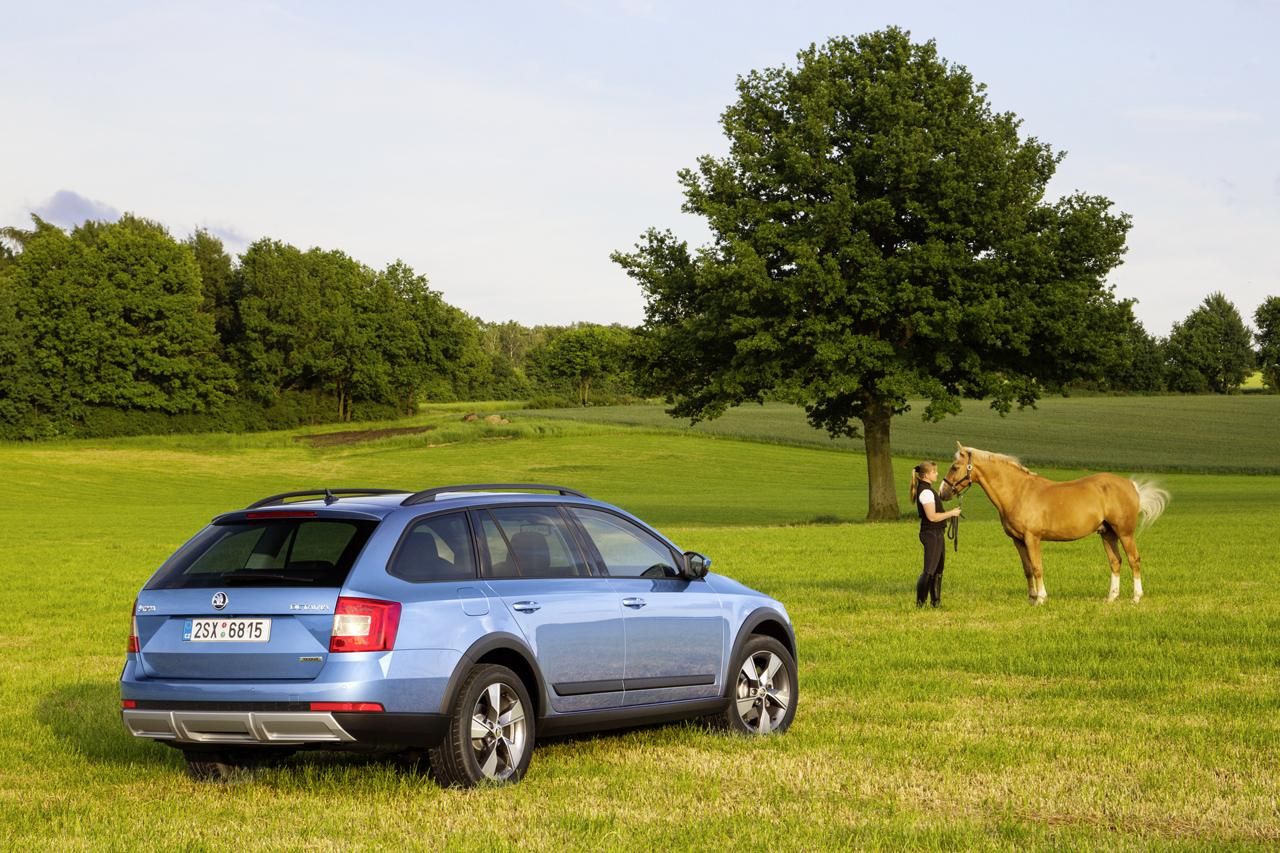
(86, 717)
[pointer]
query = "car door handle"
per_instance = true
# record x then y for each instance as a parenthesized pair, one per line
(635, 603)
(526, 606)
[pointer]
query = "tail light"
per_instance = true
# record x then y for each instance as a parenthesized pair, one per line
(364, 625)
(346, 706)
(133, 627)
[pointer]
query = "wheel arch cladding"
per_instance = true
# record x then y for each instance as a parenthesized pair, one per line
(517, 663)
(769, 624)
(503, 649)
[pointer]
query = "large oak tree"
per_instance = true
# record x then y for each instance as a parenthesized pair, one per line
(879, 234)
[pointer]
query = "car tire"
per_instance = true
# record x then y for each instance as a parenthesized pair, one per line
(491, 731)
(763, 689)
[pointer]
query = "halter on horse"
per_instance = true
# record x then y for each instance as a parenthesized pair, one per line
(1034, 510)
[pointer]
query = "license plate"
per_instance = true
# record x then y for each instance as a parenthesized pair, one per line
(227, 630)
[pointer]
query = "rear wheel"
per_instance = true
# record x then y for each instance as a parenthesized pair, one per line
(764, 689)
(491, 731)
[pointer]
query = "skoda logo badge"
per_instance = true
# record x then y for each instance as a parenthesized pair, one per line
(219, 600)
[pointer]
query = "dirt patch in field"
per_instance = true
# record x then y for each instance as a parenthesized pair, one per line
(331, 439)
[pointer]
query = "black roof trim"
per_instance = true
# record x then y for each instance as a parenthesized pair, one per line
(431, 494)
(327, 494)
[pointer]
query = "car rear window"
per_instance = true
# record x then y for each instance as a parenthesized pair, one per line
(280, 552)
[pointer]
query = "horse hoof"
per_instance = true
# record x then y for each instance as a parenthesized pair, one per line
(1112, 597)
(1136, 599)
(1038, 601)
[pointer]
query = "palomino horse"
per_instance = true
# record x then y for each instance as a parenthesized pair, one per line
(1033, 510)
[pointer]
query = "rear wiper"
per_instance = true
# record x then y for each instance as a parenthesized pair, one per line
(256, 575)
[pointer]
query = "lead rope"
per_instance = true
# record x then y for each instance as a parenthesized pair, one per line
(953, 524)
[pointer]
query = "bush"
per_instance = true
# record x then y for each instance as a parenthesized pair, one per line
(552, 401)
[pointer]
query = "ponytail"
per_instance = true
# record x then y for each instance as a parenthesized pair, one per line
(917, 477)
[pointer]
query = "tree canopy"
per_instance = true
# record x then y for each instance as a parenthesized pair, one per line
(121, 318)
(1211, 350)
(117, 328)
(879, 234)
(1267, 320)
(585, 356)
(108, 315)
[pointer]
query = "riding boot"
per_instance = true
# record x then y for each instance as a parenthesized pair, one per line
(922, 589)
(935, 594)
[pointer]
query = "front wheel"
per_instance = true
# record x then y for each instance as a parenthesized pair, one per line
(764, 692)
(491, 731)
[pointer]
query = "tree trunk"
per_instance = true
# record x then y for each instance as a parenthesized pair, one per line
(882, 497)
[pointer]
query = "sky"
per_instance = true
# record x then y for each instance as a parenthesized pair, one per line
(504, 149)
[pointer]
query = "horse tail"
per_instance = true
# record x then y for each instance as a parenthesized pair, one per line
(1151, 502)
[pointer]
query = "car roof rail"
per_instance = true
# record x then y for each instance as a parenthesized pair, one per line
(329, 495)
(430, 495)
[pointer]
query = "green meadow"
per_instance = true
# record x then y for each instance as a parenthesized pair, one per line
(1208, 433)
(985, 724)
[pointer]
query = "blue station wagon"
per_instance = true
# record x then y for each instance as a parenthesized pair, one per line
(459, 624)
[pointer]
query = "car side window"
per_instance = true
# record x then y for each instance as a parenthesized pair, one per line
(530, 542)
(628, 551)
(436, 548)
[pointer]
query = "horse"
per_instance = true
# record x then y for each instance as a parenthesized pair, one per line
(1034, 510)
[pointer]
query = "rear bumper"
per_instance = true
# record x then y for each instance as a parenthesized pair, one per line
(283, 727)
(407, 681)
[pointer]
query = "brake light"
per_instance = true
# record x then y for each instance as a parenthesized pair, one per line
(346, 706)
(297, 513)
(364, 625)
(128, 703)
(133, 627)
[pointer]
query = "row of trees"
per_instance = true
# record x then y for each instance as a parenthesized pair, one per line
(118, 327)
(1211, 350)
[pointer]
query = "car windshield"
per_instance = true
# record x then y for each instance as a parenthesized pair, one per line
(280, 552)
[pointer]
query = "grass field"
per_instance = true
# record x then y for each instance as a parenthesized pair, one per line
(1210, 433)
(986, 724)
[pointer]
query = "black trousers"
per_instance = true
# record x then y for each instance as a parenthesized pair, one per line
(934, 541)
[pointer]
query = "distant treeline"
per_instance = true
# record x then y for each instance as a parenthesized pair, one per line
(1210, 350)
(118, 328)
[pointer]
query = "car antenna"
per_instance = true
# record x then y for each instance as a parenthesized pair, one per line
(329, 497)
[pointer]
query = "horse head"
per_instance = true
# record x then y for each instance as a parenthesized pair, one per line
(960, 475)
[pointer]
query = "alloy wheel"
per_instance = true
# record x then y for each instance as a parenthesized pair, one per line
(764, 692)
(498, 731)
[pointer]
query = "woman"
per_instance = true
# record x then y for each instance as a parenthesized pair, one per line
(933, 525)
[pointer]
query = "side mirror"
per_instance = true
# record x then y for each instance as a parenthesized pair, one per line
(696, 565)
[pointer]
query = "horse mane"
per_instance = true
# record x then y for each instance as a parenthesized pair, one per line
(989, 456)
